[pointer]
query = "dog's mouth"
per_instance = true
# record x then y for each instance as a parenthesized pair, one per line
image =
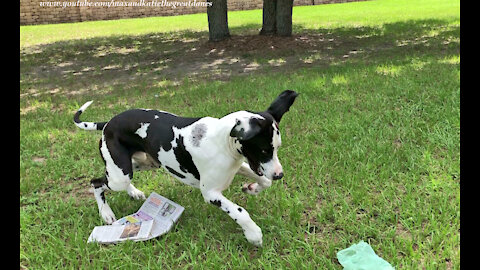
(259, 170)
(255, 169)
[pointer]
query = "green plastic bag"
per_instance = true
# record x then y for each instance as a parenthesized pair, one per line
(361, 257)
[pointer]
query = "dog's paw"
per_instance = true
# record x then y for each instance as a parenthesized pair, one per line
(264, 182)
(136, 194)
(107, 214)
(254, 235)
(252, 189)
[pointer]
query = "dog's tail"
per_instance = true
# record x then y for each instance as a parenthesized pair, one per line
(87, 125)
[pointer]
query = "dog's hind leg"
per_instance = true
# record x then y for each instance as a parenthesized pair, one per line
(118, 172)
(99, 187)
(135, 193)
(261, 182)
(140, 161)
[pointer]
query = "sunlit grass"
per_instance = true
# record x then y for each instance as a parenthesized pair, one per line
(357, 14)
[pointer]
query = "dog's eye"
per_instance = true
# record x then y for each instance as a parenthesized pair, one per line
(264, 151)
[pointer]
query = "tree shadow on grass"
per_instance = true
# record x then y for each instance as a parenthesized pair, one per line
(103, 64)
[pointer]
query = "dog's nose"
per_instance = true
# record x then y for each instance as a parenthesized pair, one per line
(277, 176)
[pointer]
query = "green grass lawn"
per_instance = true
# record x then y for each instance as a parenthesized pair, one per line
(371, 147)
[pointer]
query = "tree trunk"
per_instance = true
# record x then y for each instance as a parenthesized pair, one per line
(284, 17)
(217, 20)
(277, 17)
(269, 26)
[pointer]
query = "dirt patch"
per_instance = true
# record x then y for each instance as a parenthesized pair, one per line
(80, 68)
(258, 44)
(81, 188)
(40, 160)
(403, 232)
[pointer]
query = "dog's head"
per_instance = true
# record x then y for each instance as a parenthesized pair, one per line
(260, 138)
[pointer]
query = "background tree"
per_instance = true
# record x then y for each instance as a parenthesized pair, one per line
(217, 20)
(277, 17)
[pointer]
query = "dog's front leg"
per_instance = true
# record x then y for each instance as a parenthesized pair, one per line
(261, 182)
(252, 232)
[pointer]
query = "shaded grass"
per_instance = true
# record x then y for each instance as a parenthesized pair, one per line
(370, 148)
(101, 65)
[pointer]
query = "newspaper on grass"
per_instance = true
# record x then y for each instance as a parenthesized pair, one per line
(156, 217)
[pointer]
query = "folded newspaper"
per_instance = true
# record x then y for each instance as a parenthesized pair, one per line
(156, 217)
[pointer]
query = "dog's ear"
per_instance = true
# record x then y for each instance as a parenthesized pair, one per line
(282, 104)
(246, 128)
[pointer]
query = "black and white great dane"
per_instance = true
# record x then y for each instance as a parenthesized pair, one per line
(204, 152)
